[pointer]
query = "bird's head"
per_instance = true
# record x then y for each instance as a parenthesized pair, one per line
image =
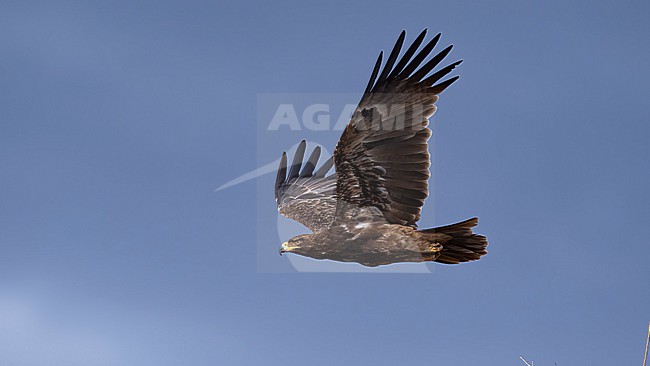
(298, 244)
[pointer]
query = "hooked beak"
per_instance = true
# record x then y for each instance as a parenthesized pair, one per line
(285, 247)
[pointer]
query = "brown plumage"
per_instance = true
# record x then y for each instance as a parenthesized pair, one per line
(366, 212)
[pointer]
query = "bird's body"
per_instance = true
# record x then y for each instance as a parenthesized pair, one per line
(370, 244)
(367, 211)
(377, 242)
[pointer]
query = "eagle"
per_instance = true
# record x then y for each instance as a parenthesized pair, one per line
(367, 210)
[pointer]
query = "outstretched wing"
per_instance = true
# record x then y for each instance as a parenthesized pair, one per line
(382, 158)
(304, 195)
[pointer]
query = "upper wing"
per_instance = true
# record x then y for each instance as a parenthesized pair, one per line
(382, 158)
(305, 196)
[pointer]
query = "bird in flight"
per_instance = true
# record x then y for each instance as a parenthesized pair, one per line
(367, 210)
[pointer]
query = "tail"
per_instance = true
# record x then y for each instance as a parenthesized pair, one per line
(459, 243)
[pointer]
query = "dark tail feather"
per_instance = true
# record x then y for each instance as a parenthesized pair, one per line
(463, 246)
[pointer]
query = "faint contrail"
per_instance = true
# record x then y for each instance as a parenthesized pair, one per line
(271, 167)
(266, 169)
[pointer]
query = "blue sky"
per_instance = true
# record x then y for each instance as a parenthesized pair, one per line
(119, 119)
